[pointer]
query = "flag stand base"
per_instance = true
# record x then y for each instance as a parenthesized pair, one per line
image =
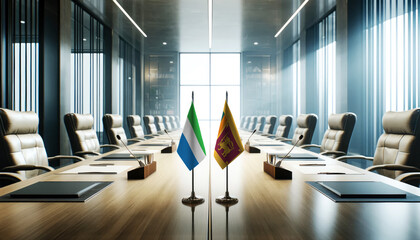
(193, 200)
(227, 200)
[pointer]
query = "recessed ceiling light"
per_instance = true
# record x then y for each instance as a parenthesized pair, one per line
(22, 22)
(255, 43)
(291, 18)
(165, 43)
(249, 62)
(171, 62)
(84, 39)
(129, 18)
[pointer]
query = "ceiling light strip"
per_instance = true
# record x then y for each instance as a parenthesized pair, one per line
(210, 22)
(291, 18)
(129, 18)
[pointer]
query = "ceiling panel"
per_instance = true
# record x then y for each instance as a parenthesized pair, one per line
(183, 24)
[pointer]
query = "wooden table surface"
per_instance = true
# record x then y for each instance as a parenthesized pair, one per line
(152, 208)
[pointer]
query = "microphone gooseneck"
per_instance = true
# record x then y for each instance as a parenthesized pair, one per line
(142, 164)
(285, 156)
(251, 135)
(166, 131)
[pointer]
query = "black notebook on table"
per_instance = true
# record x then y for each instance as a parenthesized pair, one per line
(358, 189)
(53, 191)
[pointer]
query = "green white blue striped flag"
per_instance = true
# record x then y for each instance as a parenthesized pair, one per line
(191, 146)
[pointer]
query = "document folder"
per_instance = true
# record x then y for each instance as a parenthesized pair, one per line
(367, 189)
(54, 190)
(297, 156)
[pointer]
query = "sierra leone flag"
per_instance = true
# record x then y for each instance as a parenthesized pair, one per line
(191, 147)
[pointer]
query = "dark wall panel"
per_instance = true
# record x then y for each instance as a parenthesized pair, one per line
(356, 94)
(49, 109)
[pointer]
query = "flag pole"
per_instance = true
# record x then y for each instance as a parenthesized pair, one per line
(227, 199)
(193, 199)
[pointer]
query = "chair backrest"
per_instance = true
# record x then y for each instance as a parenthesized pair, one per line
(400, 143)
(113, 126)
(285, 123)
(173, 122)
(242, 122)
(81, 134)
(253, 123)
(149, 124)
(270, 123)
(178, 124)
(134, 126)
(159, 123)
(338, 135)
(167, 123)
(247, 122)
(260, 123)
(306, 124)
(20, 142)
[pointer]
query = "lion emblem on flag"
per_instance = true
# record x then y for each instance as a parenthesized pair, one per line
(226, 145)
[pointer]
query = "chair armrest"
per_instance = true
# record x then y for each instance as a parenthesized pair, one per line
(59, 157)
(137, 138)
(310, 145)
(407, 177)
(343, 158)
(336, 153)
(268, 135)
(17, 168)
(394, 167)
(134, 140)
(83, 153)
(149, 136)
(110, 146)
(10, 177)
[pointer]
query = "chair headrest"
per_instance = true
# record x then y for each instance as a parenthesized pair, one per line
(339, 121)
(15, 122)
(148, 119)
(285, 120)
(135, 119)
(260, 119)
(305, 120)
(114, 120)
(82, 121)
(405, 122)
(159, 119)
(271, 120)
(167, 118)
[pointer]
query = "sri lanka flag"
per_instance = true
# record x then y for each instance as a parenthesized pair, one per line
(191, 146)
(228, 143)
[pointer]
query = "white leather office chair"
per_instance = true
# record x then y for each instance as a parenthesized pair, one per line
(398, 148)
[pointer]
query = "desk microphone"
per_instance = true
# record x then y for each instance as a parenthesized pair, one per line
(134, 156)
(166, 131)
(251, 135)
(285, 156)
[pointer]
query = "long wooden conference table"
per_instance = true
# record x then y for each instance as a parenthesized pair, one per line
(152, 208)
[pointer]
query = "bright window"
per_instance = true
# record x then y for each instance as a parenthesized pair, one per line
(210, 76)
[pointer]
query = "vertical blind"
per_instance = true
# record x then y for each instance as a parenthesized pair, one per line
(87, 66)
(291, 79)
(325, 70)
(392, 60)
(23, 55)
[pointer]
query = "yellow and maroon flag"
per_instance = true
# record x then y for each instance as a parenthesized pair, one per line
(228, 143)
